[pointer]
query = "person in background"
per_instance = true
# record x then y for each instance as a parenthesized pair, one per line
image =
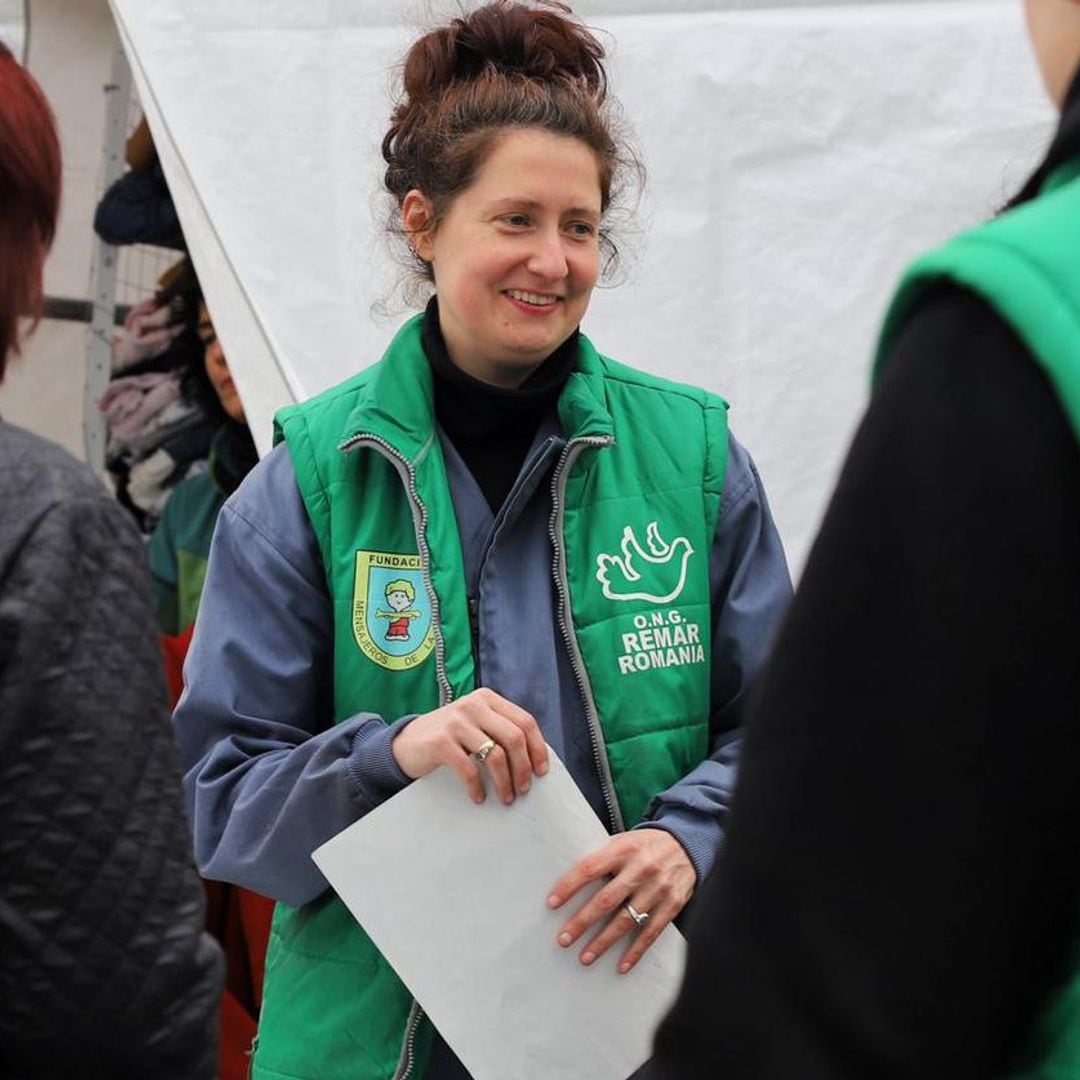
(899, 897)
(180, 544)
(104, 969)
(589, 553)
(160, 412)
(179, 547)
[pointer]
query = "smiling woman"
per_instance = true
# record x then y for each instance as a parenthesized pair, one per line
(441, 565)
(516, 256)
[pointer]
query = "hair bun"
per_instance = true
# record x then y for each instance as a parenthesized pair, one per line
(538, 42)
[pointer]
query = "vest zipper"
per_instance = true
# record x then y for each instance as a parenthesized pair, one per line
(474, 631)
(562, 587)
(408, 1045)
(407, 1060)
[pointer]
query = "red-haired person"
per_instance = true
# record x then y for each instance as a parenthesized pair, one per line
(104, 968)
(544, 546)
(899, 898)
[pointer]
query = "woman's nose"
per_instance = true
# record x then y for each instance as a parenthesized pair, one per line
(547, 259)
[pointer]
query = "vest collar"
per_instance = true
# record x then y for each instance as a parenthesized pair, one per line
(396, 403)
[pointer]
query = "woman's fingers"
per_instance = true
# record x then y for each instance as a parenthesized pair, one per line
(513, 730)
(501, 772)
(659, 917)
(593, 867)
(509, 762)
(647, 869)
(535, 746)
(654, 910)
(481, 728)
(468, 772)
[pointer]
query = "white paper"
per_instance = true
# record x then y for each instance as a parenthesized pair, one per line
(454, 895)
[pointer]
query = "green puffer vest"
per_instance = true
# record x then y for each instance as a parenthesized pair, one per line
(1026, 265)
(636, 498)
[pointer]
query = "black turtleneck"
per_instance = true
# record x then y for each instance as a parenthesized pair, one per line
(492, 427)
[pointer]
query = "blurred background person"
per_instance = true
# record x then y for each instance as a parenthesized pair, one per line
(104, 968)
(180, 544)
(900, 892)
(178, 551)
(160, 410)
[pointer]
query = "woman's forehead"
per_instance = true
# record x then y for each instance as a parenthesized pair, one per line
(538, 167)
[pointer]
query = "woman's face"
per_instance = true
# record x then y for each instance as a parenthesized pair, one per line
(217, 369)
(516, 256)
(1054, 27)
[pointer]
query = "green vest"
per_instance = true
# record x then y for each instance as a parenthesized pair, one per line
(1025, 264)
(636, 498)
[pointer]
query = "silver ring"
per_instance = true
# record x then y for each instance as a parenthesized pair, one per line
(639, 917)
(480, 754)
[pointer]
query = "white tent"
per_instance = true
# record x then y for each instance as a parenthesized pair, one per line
(799, 155)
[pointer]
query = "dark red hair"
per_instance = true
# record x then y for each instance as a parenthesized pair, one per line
(505, 65)
(29, 197)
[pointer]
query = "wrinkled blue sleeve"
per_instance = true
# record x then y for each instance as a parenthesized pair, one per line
(268, 776)
(751, 588)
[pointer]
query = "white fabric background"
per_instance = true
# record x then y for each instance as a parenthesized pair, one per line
(70, 54)
(12, 26)
(798, 157)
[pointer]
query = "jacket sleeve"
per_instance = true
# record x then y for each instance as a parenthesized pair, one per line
(750, 591)
(899, 895)
(269, 776)
(104, 969)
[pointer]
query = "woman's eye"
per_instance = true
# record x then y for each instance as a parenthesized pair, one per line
(516, 221)
(583, 229)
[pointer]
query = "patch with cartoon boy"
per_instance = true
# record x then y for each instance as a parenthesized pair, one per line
(391, 610)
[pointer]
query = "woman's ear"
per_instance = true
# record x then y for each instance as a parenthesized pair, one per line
(418, 218)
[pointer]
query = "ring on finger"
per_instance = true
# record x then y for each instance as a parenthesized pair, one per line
(639, 917)
(480, 754)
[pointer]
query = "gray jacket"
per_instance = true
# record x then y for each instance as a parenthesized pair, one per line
(104, 968)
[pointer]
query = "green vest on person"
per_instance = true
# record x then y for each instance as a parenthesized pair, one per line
(1026, 265)
(636, 498)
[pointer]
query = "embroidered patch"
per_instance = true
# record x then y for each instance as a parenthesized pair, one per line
(392, 620)
(656, 576)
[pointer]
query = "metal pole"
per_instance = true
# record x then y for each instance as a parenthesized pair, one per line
(103, 273)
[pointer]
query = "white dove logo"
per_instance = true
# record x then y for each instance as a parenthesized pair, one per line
(673, 558)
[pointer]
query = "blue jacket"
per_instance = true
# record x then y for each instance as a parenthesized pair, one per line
(269, 778)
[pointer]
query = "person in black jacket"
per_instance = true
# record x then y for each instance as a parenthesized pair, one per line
(900, 893)
(104, 969)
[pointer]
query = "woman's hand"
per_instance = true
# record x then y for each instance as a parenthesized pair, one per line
(649, 870)
(453, 734)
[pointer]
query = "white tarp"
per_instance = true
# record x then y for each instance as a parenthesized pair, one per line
(12, 26)
(798, 158)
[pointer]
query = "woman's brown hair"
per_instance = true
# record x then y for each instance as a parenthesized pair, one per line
(505, 65)
(29, 197)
